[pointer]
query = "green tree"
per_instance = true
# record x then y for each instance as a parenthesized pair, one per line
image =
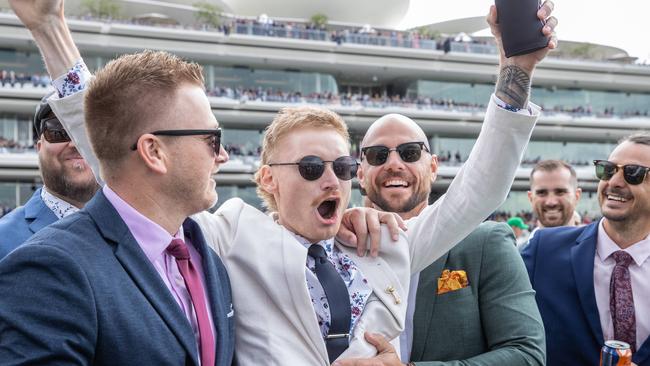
(208, 13)
(102, 8)
(584, 50)
(319, 20)
(428, 32)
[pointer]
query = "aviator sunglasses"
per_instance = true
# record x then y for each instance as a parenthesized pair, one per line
(215, 133)
(312, 167)
(53, 131)
(409, 152)
(633, 174)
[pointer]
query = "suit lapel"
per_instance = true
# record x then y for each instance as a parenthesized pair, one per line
(39, 214)
(582, 260)
(144, 275)
(425, 300)
(214, 289)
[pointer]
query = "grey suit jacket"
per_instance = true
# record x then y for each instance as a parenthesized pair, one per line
(492, 321)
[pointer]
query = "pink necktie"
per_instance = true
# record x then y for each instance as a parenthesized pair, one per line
(179, 250)
(621, 302)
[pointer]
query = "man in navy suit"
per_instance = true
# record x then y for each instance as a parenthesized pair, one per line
(68, 183)
(129, 279)
(592, 281)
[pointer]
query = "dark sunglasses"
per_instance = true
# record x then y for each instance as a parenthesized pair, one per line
(216, 133)
(312, 167)
(409, 152)
(633, 174)
(53, 132)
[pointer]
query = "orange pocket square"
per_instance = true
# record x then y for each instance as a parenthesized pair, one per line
(451, 281)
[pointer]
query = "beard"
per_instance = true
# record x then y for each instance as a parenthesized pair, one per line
(420, 193)
(412, 202)
(58, 181)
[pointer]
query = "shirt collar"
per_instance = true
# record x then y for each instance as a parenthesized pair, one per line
(151, 237)
(60, 207)
(327, 243)
(605, 247)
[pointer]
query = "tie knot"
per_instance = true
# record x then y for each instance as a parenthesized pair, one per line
(178, 249)
(622, 258)
(317, 252)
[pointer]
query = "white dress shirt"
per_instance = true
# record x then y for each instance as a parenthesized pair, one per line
(60, 207)
(639, 273)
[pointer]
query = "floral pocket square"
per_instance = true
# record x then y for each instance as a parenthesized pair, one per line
(452, 281)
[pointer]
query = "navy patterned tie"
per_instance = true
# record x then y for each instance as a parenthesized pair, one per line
(338, 299)
(621, 302)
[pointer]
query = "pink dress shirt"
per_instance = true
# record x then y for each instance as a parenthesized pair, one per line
(153, 240)
(639, 274)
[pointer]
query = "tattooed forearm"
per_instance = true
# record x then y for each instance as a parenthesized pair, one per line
(513, 86)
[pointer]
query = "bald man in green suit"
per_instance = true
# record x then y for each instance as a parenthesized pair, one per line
(473, 306)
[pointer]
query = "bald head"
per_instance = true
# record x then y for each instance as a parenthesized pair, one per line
(392, 183)
(390, 124)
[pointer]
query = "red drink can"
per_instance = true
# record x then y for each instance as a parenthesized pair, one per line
(616, 353)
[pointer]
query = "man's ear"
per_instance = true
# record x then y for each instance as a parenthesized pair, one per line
(39, 144)
(434, 167)
(153, 153)
(578, 194)
(530, 196)
(266, 180)
(361, 176)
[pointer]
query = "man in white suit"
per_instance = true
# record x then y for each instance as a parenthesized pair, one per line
(277, 313)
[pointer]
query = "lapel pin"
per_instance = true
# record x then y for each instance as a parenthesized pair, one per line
(391, 290)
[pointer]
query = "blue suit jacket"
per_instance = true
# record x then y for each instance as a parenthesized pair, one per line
(20, 224)
(560, 263)
(81, 292)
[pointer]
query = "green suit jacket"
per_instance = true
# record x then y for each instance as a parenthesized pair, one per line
(492, 321)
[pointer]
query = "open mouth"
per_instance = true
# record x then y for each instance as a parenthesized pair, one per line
(613, 197)
(327, 209)
(396, 183)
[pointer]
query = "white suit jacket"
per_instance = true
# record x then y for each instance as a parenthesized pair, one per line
(275, 319)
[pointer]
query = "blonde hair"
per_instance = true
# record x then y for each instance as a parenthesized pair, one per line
(127, 97)
(286, 121)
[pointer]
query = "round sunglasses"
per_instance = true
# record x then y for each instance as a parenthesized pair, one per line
(312, 167)
(53, 132)
(632, 173)
(409, 152)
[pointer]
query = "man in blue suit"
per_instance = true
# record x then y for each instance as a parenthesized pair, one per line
(592, 281)
(129, 279)
(68, 183)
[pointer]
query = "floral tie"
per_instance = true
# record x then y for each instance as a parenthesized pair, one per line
(621, 302)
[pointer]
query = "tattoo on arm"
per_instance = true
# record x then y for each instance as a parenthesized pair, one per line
(513, 86)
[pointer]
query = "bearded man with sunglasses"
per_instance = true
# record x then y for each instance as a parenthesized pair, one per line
(68, 183)
(592, 281)
(473, 305)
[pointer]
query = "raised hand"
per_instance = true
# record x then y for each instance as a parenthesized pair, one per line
(37, 13)
(513, 86)
(45, 20)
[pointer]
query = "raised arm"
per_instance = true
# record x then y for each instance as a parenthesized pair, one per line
(483, 182)
(45, 21)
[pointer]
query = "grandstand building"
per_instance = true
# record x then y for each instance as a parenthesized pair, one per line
(256, 65)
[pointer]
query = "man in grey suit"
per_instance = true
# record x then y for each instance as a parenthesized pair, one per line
(475, 304)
